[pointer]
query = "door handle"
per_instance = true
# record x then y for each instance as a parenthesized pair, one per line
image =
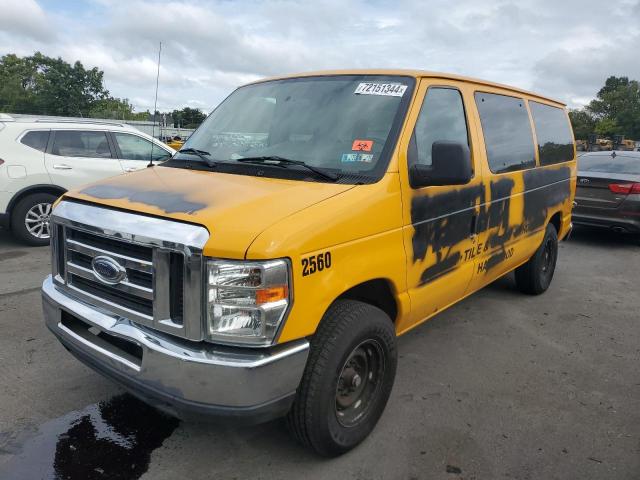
(130, 169)
(62, 166)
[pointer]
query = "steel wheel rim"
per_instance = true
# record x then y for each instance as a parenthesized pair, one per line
(37, 220)
(359, 382)
(548, 255)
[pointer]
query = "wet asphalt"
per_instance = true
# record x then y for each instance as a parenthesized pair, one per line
(499, 386)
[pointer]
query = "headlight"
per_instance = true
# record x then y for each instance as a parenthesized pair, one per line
(247, 300)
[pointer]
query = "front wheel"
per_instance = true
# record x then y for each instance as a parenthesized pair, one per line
(30, 219)
(347, 380)
(534, 277)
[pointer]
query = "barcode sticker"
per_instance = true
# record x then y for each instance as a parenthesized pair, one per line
(388, 89)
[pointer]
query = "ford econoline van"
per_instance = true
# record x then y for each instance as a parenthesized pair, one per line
(267, 268)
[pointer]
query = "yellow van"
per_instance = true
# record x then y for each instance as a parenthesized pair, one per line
(267, 268)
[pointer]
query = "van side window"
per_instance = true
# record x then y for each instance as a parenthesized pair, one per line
(507, 132)
(69, 143)
(555, 141)
(441, 118)
(37, 139)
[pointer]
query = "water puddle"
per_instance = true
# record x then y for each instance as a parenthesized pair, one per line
(109, 440)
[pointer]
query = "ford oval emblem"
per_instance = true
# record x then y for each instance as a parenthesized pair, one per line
(107, 270)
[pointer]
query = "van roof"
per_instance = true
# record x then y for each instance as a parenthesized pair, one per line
(415, 74)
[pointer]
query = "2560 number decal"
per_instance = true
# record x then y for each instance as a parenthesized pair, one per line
(316, 263)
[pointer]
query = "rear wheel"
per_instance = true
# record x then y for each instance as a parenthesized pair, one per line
(30, 219)
(347, 380)
(534, 277)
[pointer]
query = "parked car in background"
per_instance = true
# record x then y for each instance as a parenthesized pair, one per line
(608, 191)
(42, 158)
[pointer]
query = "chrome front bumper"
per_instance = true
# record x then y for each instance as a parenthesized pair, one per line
(182, 377)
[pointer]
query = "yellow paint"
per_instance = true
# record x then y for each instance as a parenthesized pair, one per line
(367, 228)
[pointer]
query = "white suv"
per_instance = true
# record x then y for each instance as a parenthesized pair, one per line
(42, 158)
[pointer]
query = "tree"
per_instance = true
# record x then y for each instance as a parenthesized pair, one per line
(112, 108)
(583, 123)
(63, 89)
(618, 106)
(17, 81)
(188, 117)
(45, 85)
(607, 127)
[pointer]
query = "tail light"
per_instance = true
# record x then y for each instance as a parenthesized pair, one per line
(625, 188)
(1, 161)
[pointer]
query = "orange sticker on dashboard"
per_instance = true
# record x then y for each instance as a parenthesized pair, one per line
(362, 145)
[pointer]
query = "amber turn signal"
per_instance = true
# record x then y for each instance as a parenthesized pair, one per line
(273, 294)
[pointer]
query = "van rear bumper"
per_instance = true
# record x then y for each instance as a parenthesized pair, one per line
(185, 379)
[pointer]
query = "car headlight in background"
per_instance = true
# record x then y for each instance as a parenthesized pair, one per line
(246, 300)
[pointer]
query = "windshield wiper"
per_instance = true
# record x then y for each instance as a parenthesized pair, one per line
(283, 162)
(204, 155)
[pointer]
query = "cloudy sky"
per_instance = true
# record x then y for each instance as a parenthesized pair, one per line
(565, 49)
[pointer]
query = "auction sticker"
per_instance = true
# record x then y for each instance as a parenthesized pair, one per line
(388, 89)
(357, 157)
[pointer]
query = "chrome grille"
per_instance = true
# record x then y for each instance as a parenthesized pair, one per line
(135, 294)
(163, 260)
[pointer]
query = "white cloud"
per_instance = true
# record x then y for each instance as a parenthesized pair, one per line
(564, 49)
(26, 20)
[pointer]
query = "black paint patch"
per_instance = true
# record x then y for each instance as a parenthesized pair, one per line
(545, 188)
(440, 268)
(113, 439)
(496, 213)
(444, 220)
(167, 201)
(456, 209)
(495, 259)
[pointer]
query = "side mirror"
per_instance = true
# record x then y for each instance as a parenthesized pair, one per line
(450, 165)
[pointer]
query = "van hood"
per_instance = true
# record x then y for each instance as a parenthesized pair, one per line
(234, 208)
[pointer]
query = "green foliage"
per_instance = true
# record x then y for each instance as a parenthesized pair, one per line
(116, 108)
(583, 123)
(615, 111)
(607, 127)
(43, 85)
(188, 117)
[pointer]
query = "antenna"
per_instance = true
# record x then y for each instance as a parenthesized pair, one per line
(155, 106)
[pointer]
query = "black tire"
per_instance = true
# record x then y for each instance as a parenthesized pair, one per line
(19, 214)
(534, 277)
(324, 416)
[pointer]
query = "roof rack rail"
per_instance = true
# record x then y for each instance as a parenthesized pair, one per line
(5, 117)
(87, 121)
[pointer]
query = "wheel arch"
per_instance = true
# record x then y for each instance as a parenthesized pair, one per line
(378, 292)
(30, 190)
(556, 221)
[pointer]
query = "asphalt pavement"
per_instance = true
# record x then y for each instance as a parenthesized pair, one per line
(501, 385)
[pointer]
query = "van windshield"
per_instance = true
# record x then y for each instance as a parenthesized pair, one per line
(344, 125)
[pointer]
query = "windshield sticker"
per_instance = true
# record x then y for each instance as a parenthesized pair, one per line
(387, 89)
(357, 157)
(362, 145)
